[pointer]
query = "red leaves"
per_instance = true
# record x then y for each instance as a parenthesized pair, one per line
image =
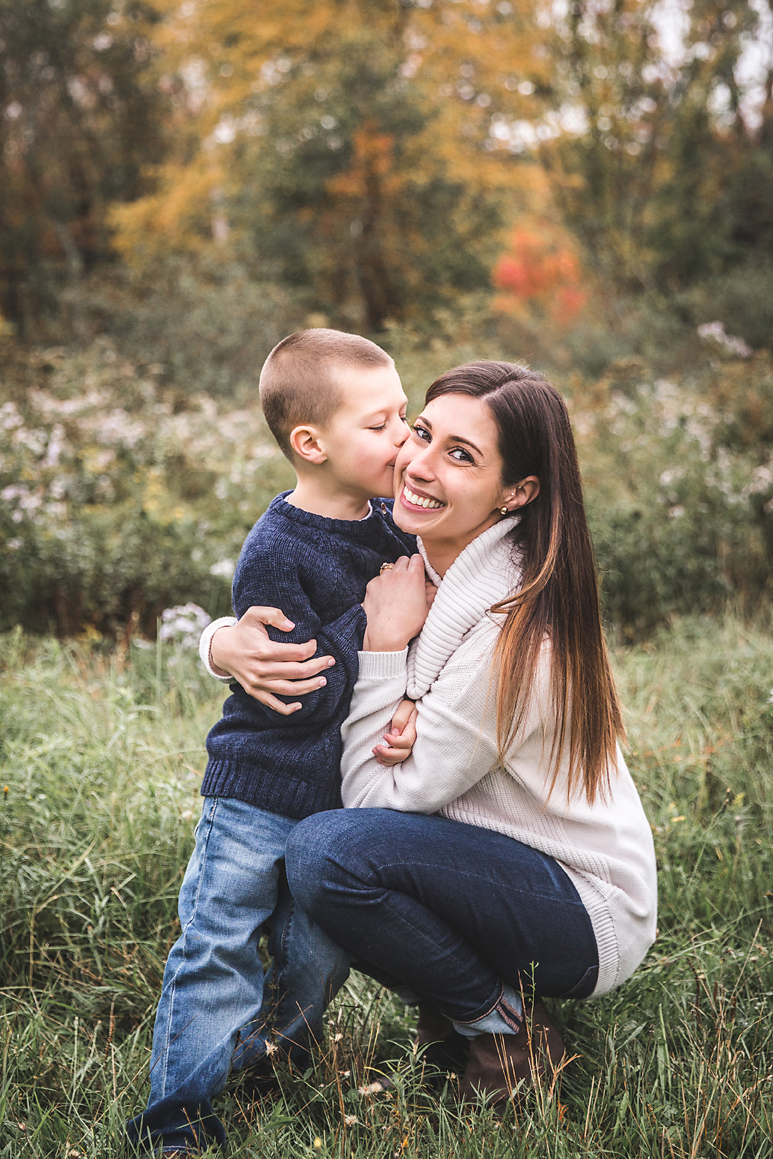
(540, 269)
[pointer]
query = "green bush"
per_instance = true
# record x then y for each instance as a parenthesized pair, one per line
(679, 483)
(122, 495)
(203, 323)
(120, 498)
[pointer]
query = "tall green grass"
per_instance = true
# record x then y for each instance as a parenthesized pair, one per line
(102, 754)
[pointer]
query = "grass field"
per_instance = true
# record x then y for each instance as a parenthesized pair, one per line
(102, 754)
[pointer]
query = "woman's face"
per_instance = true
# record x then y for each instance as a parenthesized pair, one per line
(448, 475)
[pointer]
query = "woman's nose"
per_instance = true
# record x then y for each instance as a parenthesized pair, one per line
(421, 465)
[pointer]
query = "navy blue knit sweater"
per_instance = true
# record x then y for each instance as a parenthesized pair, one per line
(316, 570)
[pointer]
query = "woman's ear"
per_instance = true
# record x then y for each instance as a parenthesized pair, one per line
(524, 492)
(307, 445)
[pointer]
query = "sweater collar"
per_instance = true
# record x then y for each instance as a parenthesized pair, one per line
(484, 573)
(353, 528)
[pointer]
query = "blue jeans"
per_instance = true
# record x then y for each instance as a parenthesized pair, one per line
(217, 1011)
(452, 911)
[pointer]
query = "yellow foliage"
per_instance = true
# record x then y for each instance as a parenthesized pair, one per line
(176, 218)
(459, 63)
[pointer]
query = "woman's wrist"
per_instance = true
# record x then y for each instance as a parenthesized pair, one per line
(210, 655)
(375, 641)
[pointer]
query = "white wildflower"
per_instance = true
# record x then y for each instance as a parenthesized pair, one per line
(716, 331)
(183, 625)
(224, 568)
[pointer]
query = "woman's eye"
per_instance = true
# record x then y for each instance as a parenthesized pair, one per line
(422, 433)
(461, 455)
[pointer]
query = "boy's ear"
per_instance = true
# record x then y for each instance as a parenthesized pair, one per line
(306, 443)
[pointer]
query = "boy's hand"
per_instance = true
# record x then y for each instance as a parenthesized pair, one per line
(263, 668)
(399, 741)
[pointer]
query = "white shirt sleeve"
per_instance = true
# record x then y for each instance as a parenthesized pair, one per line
(205, 644)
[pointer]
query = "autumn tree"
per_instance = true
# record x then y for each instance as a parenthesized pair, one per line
(347, 146)
(77, 124)
(660, 175)
(540, 276)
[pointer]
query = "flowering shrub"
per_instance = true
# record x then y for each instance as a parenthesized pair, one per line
(183, 625)
(679, 481)
(118, 498)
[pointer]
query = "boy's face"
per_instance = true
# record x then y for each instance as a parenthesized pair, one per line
(362, 438)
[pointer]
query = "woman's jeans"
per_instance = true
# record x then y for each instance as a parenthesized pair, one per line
(451, 911)
(216, 1010)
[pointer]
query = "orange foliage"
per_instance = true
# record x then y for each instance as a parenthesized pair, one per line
(372, 162)
(540, 269)
(461, 59)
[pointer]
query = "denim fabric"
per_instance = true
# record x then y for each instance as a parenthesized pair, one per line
(450, 910)
(497, 1021)
(216, 1009)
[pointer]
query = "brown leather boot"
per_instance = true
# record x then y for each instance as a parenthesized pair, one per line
(500, 1062)
(433, 1026)
(446, 1049)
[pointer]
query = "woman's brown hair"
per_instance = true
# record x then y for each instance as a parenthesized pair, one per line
(558, 598)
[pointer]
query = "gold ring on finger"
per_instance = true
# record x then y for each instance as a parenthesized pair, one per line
(385, 567)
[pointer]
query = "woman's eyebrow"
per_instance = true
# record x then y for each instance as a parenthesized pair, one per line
(467, 443)
(451, 438)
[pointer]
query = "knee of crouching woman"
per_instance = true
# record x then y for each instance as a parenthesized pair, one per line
(307, 859)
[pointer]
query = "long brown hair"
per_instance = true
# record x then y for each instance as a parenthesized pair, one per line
(558, 598)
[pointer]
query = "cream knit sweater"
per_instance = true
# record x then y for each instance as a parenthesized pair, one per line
(606, 848)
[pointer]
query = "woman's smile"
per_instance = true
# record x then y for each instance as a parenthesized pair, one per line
(414, 499)
(448, 484)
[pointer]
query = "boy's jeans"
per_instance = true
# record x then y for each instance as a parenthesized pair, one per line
(216, 1009)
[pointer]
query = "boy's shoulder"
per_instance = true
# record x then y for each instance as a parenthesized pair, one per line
(289, 539)
(301, 534)
(291, 551)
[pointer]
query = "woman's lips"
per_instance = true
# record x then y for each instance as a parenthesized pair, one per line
(414, 499)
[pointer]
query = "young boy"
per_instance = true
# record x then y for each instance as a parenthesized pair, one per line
(335, 405)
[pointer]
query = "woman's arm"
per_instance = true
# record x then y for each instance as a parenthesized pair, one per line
(396, 604)
(456, 729)
(265, 668)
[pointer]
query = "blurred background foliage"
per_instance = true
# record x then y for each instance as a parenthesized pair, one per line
(587, 185)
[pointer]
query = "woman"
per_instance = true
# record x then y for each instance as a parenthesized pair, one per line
(508, 858)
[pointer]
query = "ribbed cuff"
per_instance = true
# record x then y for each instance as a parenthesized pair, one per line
(382, 665)
(205, 645)
(598, 909)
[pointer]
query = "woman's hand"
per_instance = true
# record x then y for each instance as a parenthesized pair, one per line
(399, 741)
(396, 605)
(263, 668)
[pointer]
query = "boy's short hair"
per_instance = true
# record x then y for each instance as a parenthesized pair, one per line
(298, 380)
